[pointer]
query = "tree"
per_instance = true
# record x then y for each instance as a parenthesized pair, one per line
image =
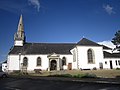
(116, 40)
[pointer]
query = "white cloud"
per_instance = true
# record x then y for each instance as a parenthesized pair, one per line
(108, 9)
(107, 43)
(12, 6)
(35, 3)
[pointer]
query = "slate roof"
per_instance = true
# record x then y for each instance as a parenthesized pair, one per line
(86, 42)
(43, 48)
(111, 55)
(49, 48)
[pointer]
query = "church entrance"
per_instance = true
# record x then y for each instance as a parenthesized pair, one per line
(53, 65)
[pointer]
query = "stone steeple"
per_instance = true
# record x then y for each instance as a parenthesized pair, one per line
(19, 37)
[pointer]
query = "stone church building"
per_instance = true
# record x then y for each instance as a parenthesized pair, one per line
(84, 54)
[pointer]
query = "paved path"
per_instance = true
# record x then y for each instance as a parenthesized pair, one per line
(93, 80)
(45, 83)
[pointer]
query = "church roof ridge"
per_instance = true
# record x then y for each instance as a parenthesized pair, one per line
(48, 43)
(42, 48)
(87, 42)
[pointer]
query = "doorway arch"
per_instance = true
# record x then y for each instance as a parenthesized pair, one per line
(53, 65)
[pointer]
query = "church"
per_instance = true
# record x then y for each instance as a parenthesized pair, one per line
(82, 55)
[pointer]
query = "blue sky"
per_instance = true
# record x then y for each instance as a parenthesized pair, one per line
(58, 21)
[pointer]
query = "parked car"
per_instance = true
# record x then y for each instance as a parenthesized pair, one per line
(3, 74)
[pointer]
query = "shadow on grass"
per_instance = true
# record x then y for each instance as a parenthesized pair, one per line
(87, 75)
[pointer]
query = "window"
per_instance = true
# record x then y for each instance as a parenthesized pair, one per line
(74, 56)
(116, 62)
(38, 61)
(105, 62)
(25, 61)
(63, 61)
(90, 56)
(119, 62)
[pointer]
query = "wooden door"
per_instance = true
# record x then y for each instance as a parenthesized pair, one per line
(69, 66)
(111, 67)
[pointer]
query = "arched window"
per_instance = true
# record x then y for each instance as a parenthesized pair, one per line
(25, 61)
(38, 61)
(63, 61)
(90, 54)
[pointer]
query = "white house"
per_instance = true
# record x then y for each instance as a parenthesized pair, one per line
(85, 54)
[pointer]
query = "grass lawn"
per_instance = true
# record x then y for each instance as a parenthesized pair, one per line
(98, 73)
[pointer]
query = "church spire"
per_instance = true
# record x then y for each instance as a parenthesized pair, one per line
(20, 25)
(20, 28)
(19, 36)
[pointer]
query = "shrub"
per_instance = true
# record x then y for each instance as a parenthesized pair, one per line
(66, 75)
(94, 68)
(117, 68)
(62, 75)
(87, 75)
(38, 71)
(78, 75)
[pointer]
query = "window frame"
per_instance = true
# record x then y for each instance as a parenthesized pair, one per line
(25, 62)
(37, 63)
(90, 56)
(64, 61)
(116, 62)
(119, 62)
(105, 62)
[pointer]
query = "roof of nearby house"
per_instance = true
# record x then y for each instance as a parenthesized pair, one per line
(43, 48)
(111, 55)
(86, 42)
(107, 48)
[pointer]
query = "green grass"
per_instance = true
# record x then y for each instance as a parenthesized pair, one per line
(79, 74)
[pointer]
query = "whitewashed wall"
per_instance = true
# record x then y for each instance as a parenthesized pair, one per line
(69, 59)
(32, 62)
(83, 58)
(74, 54)
(18, 43)
(13, 62)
